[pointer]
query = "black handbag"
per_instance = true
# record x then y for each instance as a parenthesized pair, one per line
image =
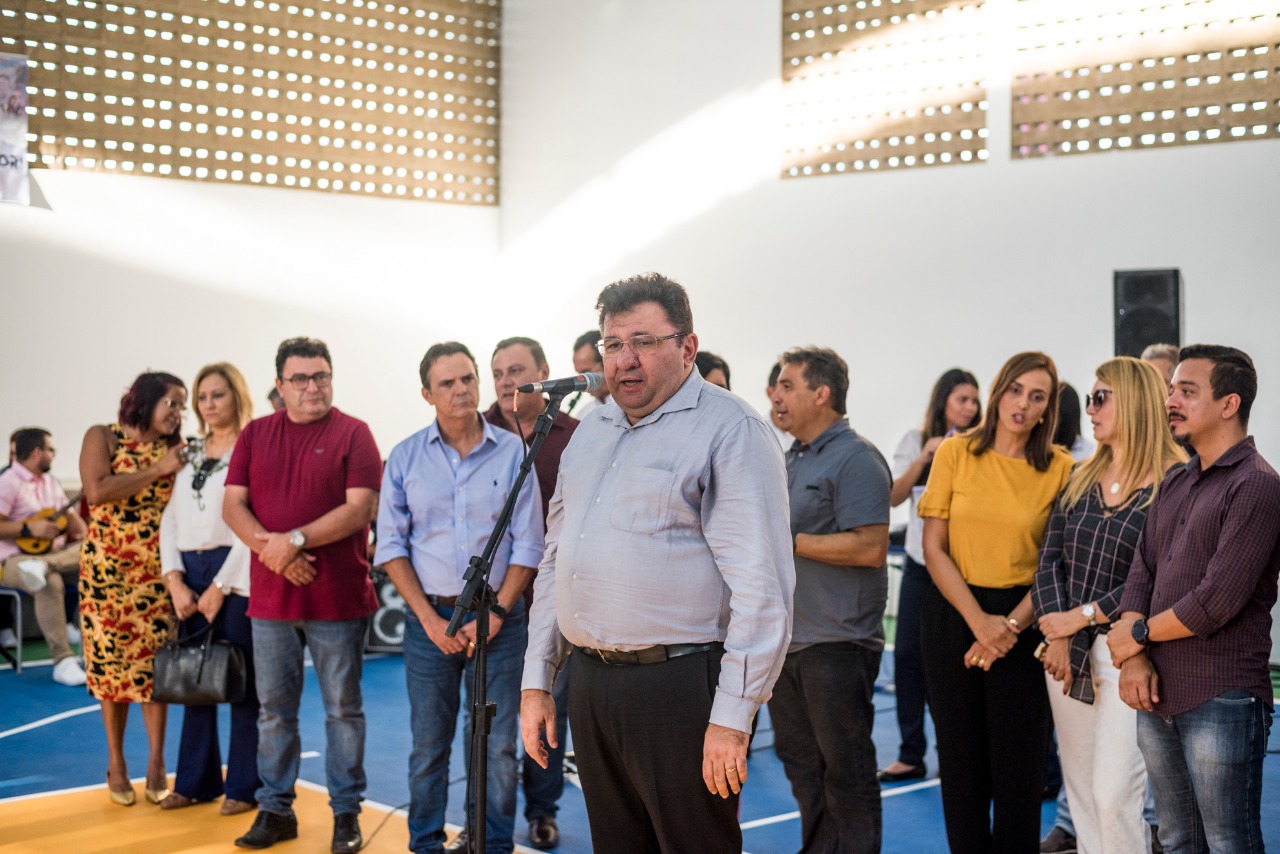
(199, 671)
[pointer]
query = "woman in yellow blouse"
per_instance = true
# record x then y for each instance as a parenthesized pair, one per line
(989, 495)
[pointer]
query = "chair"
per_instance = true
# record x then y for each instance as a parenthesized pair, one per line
(17, 628)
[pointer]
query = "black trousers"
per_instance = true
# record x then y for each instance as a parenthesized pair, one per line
(822, 712)
(638, 733)
(992, 729)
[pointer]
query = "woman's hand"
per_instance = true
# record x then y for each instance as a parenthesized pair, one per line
(930, 448)
(184, 598)
(994, 632)
(211, 602)
(1062, 624)
(1057, 662)
(981, 656)
(174, 459)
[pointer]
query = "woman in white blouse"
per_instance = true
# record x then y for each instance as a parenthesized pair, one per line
(206, 568)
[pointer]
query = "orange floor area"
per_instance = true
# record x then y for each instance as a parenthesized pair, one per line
(86, 822)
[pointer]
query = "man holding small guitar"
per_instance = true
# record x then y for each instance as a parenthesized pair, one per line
(40, 535)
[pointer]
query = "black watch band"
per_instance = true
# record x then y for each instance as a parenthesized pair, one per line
(1141, 633)
(26, 530)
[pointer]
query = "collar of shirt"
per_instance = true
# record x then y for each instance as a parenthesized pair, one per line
(1238, 452)
(839, 427)
(434, 438)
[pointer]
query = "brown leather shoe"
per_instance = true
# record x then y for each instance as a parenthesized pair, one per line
(231, 806)
(176, 801)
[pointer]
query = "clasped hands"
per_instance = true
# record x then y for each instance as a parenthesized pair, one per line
(995, 636)
(279, 556)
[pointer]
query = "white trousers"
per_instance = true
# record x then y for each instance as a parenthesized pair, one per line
(1102, 767)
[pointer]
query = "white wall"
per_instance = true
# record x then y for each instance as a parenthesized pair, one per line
(636, 136)
(645, 136)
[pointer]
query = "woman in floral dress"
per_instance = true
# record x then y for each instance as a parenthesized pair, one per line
(127, 470)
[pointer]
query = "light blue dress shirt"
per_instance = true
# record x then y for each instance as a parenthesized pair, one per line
(438, 509)
(672, 530)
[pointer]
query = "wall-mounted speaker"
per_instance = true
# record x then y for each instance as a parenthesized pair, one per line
(1148, 309)
(386, 627)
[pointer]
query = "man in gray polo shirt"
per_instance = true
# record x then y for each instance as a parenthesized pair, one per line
(821, 708)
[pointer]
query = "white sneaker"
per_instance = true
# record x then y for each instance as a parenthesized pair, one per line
(8, 639)
(68, 672)
(73, 633)
(33, 574)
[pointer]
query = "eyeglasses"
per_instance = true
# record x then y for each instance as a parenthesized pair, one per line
(1097, 399)
(611, 348)
(171, 403)
(301, 381)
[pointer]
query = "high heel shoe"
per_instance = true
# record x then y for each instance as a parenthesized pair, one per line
(155, 796)
(124, 799)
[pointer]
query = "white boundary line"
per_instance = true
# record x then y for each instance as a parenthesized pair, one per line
(84, 710)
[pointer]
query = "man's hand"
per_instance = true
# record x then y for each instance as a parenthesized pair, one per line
(1121, 643)
(1057, 662)
(276, 553)
(538, 713)
(43, 529)
(211, 602)
(434, 625)
(1139, 683)
(467, 632)
(300, 572)
(724, 760)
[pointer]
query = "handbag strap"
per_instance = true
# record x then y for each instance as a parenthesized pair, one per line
(181, 641)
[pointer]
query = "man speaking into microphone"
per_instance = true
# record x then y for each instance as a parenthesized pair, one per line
(668, 575)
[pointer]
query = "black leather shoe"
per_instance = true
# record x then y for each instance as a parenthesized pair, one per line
(346, 833)
(917, 772)
(268, 829)
(544, 834)
(460, 842)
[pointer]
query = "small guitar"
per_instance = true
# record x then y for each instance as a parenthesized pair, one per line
(58, 516)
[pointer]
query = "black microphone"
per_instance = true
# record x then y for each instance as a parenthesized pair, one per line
(581, 382)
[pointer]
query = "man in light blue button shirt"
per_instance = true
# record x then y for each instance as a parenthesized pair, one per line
(442, 491)
(669, 573)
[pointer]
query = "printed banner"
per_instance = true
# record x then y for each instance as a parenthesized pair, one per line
(14, 185)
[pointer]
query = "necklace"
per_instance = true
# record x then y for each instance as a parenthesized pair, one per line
(205, 468)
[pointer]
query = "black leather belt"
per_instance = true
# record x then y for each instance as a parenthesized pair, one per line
(650, 655)
(442, 601)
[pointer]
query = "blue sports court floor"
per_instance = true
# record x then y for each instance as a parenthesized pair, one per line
(51, 740)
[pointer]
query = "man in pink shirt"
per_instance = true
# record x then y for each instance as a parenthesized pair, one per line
(26, 488)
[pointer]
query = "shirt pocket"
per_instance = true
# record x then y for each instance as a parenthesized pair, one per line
(643, 499)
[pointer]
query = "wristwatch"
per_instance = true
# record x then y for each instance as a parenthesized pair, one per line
(1141, 633)
(297, 539)
(1090, 613)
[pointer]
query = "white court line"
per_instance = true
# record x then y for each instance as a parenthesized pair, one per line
(885, 793)
(49, 720)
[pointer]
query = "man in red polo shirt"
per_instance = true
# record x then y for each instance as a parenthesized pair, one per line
(301, 491)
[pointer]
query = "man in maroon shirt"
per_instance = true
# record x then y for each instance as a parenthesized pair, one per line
(517, 361)
(302, 488)
(1194, 636)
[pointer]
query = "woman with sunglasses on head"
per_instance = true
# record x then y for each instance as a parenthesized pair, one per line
(206, 567)
(954, 406)
(988, 498)
(127, 471)
(1088, 547)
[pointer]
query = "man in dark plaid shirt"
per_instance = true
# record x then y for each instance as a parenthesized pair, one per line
(1194, 637)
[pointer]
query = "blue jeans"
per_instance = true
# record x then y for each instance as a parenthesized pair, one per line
(433, 679)
(544, 786)
(1205, 767)
(337, 651)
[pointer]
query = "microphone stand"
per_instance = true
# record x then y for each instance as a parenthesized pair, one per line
(477, 595)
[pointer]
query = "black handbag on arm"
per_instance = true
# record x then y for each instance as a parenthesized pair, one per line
(199, 671)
